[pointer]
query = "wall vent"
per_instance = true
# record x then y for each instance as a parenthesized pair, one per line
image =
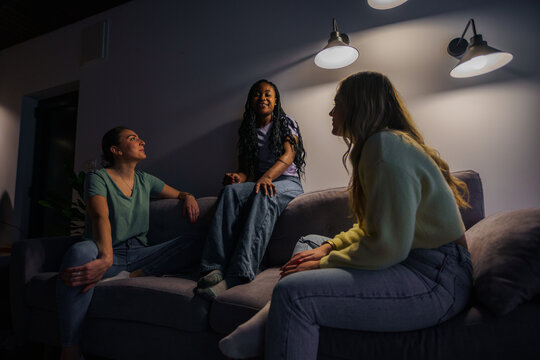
(95, 42)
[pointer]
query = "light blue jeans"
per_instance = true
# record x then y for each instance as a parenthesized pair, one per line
(176, 255)
(242, 226)
(427, 288)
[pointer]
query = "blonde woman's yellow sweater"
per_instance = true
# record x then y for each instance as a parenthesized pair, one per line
(408, 205)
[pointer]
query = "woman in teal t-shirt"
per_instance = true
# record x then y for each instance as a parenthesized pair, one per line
(114, 242)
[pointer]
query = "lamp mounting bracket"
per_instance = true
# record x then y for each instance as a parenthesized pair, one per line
(336, 35)
(457, 46)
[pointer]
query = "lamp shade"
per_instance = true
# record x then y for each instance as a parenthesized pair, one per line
(479, 58)
(385, 4)
(336, 56)
(337, 53)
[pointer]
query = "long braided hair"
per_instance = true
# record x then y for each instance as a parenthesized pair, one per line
(281, 133)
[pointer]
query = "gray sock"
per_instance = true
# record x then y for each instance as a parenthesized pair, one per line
(247, 340)
(210, 293)
(210, 279)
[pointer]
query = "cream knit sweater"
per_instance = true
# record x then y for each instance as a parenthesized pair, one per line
(408, 205)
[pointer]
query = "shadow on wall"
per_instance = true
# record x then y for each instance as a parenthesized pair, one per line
(238, 88)
(201, 163)
(8, 231)
(214, 152)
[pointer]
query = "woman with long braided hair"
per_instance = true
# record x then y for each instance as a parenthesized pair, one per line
(271, 159)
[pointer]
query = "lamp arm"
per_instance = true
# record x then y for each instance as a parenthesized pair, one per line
(471, 21)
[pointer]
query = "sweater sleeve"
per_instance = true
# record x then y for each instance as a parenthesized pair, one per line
(392, 199)
(349, 237)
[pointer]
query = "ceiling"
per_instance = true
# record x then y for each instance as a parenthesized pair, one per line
(22, 20)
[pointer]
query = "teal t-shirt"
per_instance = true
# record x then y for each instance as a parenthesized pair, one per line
(129, 216)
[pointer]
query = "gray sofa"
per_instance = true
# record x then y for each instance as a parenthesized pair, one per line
(159, 317)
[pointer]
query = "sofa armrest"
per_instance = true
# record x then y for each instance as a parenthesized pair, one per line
(28, 258)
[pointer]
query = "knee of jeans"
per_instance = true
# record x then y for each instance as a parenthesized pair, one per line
(231, 191)
(275, 202)
(286, 297)
(227, 190)
(310, 238)
(283, 291)
(81, 253)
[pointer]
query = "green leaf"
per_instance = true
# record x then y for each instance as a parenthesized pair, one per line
(81, 204)
(46, 204)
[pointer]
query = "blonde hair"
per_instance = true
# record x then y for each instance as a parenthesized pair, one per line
(372, 104)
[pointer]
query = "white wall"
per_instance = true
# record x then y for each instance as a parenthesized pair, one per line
(178, 73)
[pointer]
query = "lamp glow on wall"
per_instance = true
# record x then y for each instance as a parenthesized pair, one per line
(477, 58)
(385, 4)
(337, 53)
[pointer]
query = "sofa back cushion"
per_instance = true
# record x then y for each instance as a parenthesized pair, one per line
(326, 212)
(167, 220)
(323, 212)
(475, 213)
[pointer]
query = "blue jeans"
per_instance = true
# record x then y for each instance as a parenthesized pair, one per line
(427, 288)
(175, 255)
(242, 226)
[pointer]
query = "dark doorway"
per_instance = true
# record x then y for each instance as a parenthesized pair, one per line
(54, 152)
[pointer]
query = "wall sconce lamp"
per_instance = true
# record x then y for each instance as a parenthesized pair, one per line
(337, 53)
(477, 58)
(385, 4)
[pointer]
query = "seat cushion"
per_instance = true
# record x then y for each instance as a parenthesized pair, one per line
(238, 304)
(164, 301)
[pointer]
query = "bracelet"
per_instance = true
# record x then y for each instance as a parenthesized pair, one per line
(184, 195)
(284, 162)
(331, 243)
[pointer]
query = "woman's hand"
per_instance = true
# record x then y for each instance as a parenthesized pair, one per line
(191, 208)
(234, 178)
(301, 266)
(265, 183)
(88, 274)
(306, 256)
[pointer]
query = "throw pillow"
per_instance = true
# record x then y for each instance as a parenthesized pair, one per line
(505, 253)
